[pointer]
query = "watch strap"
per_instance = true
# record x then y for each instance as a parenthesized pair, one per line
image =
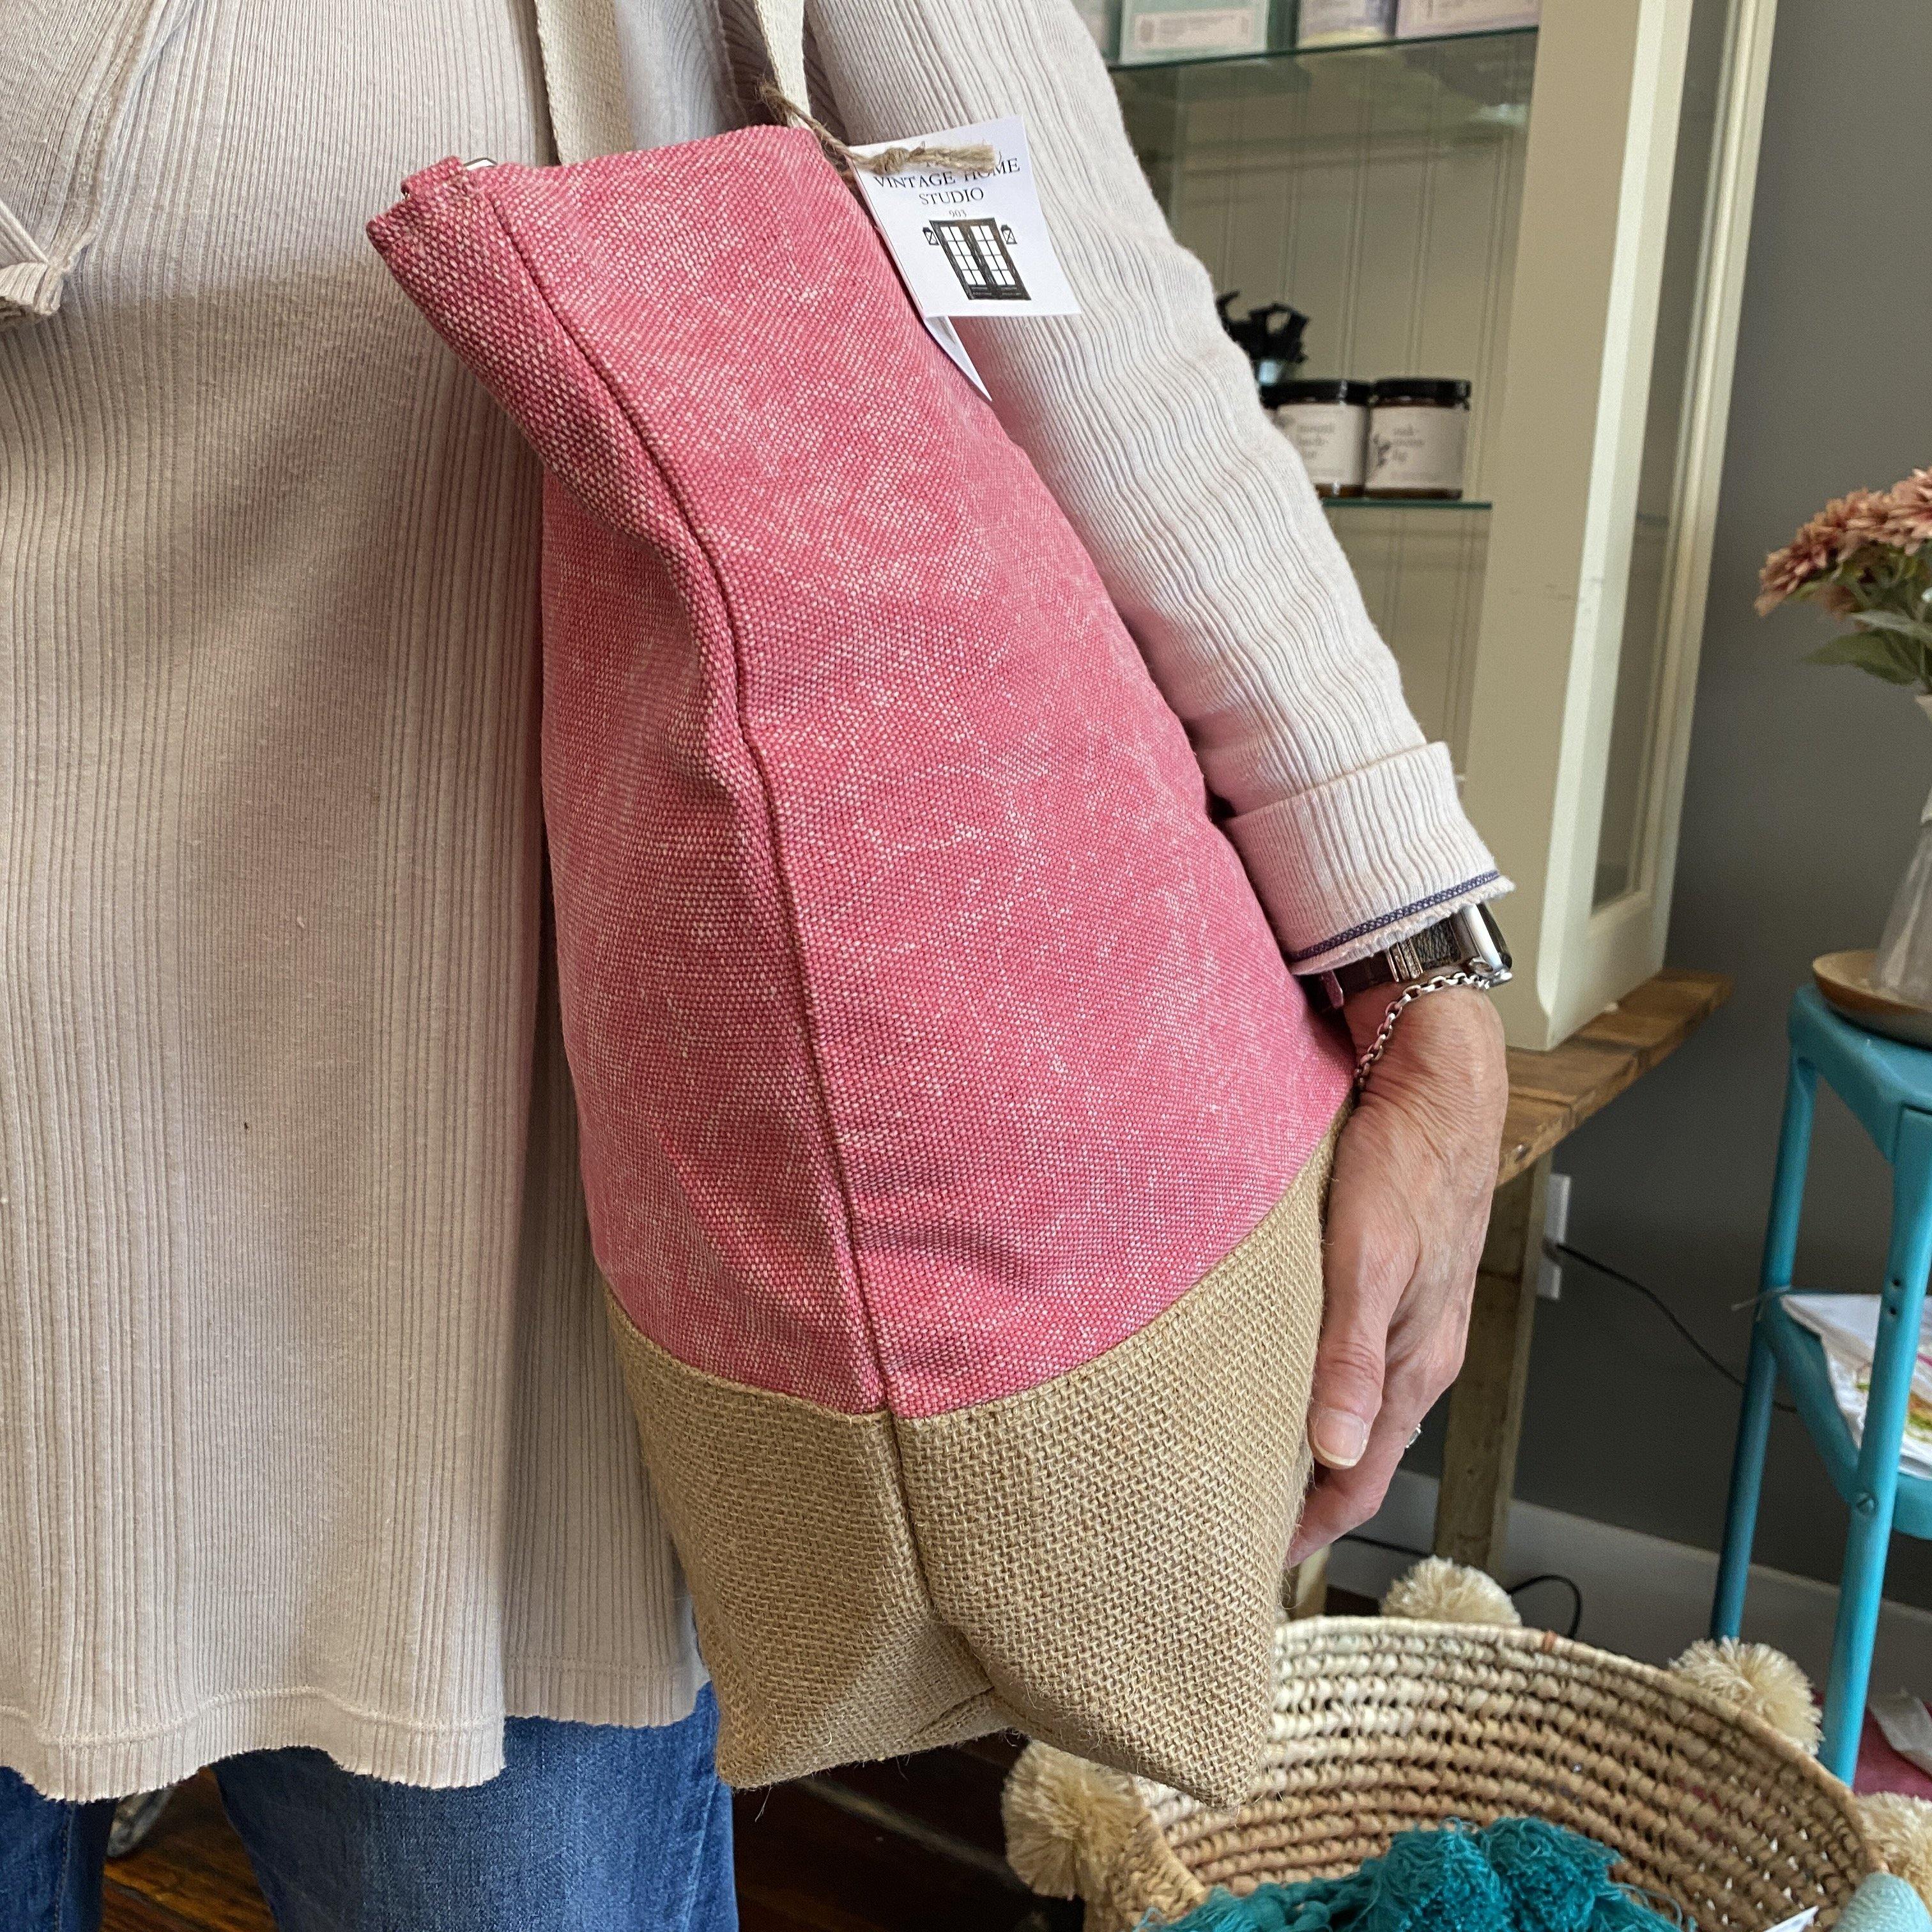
(1468, 938)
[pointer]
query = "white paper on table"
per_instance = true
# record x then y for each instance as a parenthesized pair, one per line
(1907, 1726)
(1851, 1389)
(1849, 1323)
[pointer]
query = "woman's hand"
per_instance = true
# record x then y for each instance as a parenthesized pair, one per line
(1407, 1209)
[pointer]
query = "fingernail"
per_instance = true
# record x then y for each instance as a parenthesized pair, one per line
(1339, 1438)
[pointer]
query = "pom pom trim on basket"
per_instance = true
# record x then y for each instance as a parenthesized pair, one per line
(1437, 1590)
(1380, 1724)
(1755, 1677)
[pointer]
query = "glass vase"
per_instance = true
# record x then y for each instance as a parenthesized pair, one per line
(1903, 965)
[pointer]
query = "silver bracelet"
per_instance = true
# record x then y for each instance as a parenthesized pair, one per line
(1441, 983)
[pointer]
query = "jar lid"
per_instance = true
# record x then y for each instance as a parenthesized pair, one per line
(1450, 391)
(1322, 389)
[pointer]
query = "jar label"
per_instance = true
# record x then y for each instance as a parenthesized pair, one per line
(1417, 446)
(1330, 438)
(1149, 31)
(1355, 20)
(1424, 19)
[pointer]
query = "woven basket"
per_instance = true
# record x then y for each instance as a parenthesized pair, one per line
(1380, 1725)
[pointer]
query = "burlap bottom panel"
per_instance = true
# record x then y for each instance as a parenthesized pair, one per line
(1096, 1562)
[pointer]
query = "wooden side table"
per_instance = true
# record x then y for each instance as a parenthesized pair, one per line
(1551, 1095)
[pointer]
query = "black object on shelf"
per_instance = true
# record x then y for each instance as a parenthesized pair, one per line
(1446, 392)
(1277, 352)
(1270, 336)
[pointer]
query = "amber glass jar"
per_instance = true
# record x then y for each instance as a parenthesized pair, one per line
(1418, 437)
(1326, 419)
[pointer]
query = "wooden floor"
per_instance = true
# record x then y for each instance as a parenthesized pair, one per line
(885, 1848)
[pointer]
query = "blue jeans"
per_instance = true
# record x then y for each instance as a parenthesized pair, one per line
(586, 1828)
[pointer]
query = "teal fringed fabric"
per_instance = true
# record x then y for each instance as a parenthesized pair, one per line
(1517, 1875)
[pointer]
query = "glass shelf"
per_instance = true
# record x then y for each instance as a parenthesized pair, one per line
(1406, 503)
(1243, 151)
(1377, 188)
(1387, 190)
(1297, 55)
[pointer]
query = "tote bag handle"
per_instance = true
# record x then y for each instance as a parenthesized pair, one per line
(781, 28)
(583, 68)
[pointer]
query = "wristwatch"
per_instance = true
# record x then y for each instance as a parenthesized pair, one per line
(1469, 941)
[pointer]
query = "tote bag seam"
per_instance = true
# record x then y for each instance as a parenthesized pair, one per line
(794, 941)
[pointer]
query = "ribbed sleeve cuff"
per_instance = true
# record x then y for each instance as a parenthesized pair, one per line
(1359, 863)
(29, 291)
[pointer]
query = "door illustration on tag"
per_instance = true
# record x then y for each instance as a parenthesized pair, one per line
(977, 248)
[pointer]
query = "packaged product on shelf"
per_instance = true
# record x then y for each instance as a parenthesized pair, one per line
(1160, 30)
(1426, 19)
(1344, 23)
(1326, 419)
(1103, 22)
(1418, 437)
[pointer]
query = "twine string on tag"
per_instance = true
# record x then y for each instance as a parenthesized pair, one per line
(972, 157)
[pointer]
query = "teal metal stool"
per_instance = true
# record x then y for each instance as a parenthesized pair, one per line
(1888, 1086)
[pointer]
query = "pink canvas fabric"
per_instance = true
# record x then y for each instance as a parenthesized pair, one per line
(950, 1119)
(929, 1039)
(928, 1036)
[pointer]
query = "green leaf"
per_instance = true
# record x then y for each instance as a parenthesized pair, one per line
(1895, 621)
(1878, 655)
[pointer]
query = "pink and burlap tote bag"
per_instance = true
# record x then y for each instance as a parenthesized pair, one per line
(954, 1134)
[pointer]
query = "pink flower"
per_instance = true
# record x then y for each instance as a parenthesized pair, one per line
(1909, 520)
(1862, 516)
(1785, 572)
(1844, 526)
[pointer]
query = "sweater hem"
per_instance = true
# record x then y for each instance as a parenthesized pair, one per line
(395, 1747)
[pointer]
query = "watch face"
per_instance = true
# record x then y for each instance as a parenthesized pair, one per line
(1498, 944)
(1483, 939)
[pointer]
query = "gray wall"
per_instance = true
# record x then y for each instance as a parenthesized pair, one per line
(1804, 790)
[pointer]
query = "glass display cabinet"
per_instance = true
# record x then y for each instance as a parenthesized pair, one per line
(1557, 213)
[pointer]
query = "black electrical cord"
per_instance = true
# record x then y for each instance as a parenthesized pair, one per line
(1383, 1542)
(1662, 1307)
(1711, 1360)
(1555, 1248)
(1570, 1583)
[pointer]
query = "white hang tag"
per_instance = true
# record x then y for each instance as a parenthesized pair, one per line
(941, 329)
(1797, 1921)
(970, 244)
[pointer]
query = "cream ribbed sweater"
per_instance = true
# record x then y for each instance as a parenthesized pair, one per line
(311, 1431)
